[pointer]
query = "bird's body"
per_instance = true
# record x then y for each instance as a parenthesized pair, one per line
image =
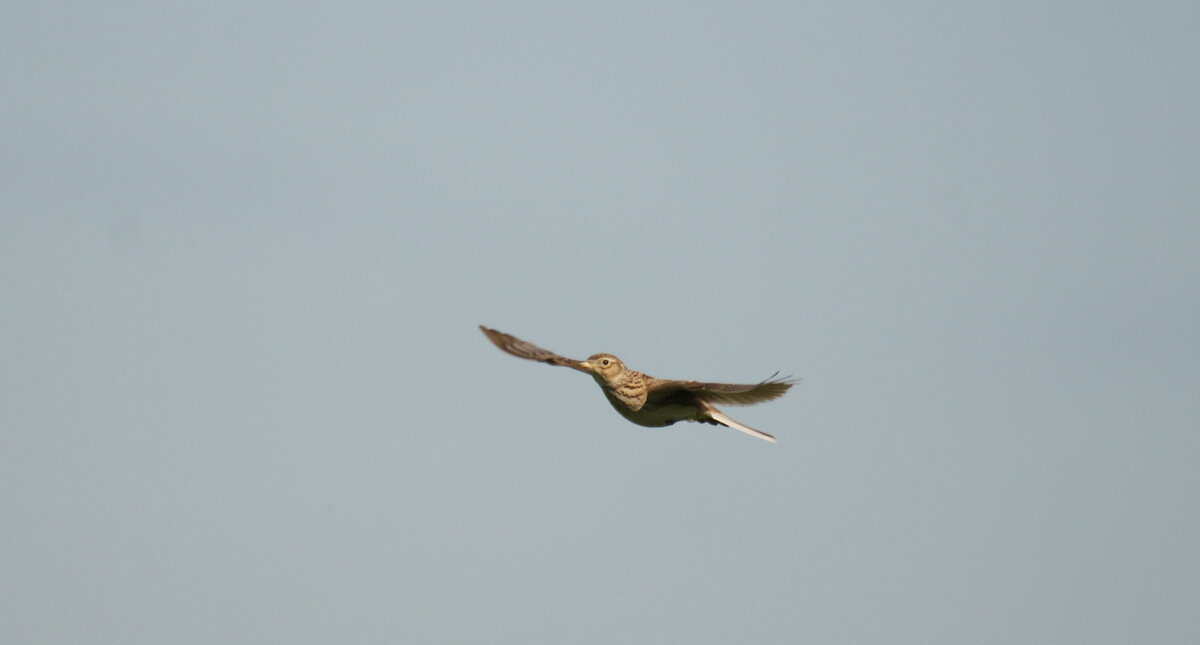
(649, 401)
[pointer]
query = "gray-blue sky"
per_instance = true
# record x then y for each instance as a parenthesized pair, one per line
(244, 248)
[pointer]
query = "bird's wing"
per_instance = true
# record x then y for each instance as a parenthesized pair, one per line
(522, 349)
(727, 393)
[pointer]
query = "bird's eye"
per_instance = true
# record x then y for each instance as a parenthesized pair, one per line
(605, 362)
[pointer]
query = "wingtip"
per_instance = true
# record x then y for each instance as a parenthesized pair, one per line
(788, 380)
(496, 337)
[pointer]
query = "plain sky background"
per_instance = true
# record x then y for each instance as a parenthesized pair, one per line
(244, 248)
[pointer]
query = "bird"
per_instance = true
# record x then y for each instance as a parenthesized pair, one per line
(653, 402)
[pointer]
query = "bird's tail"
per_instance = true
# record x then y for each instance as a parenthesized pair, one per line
(724, 420)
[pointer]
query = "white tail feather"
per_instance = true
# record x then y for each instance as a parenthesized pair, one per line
(720, 418)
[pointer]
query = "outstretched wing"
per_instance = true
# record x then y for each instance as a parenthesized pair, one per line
(726, 393)
(522, 349)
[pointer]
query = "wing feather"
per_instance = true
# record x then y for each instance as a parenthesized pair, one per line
(523, 349)
(726, 393)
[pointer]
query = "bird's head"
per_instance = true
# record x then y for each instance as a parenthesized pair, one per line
(604, 366)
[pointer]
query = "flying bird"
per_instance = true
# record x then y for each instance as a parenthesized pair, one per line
(649, 401)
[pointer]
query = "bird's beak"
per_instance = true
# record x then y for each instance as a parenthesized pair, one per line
(583, 366)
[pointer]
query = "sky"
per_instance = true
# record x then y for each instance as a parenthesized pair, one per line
(245, 247)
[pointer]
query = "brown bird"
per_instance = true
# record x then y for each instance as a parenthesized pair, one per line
(649, 401)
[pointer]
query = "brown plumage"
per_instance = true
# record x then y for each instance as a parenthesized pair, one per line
(649, 401)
